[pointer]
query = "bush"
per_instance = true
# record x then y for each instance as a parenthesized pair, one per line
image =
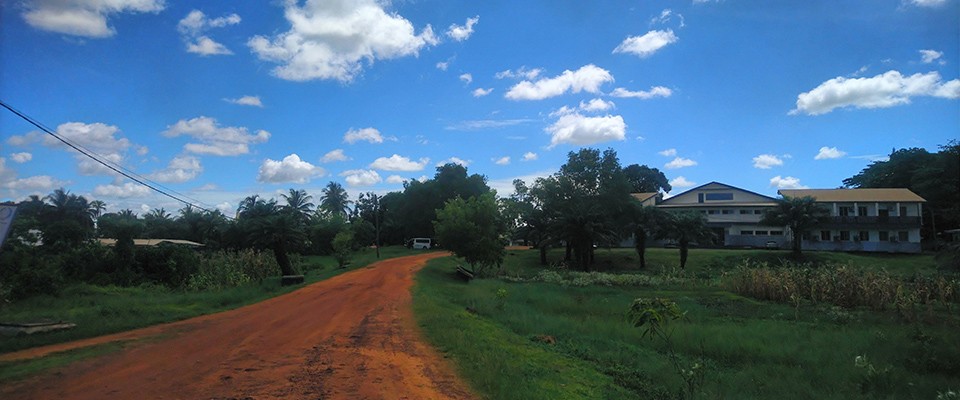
(171, 266)
(26, 274)
(342, 247)
(229, 269)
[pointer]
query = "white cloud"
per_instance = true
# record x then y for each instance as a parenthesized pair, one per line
(827, 153)
(334, 39)
(25, 139)
(665, 17)
(454, 160)
(928, 3)
(929, 56)
(21, 158)
(361, 177)
(334, 155)
(370, 135)
(485, 124)
(207, 47)
(588, 79)
(466, 78)
(395, 179)
(443, 65)
(529, 156)
(502, 160)
(577, 129)
(519, 73)
(99, 138)
(38, 183)
(655, 91)
(680, 162)
(123, 191)
(226, 208)
(767, 161)
(397, 162)
(668, 152)
(786, 183)
(462, 32)
(180, 169)
(480, 92)
(646, 45)
(253, 101)
(214, 139)
(289, 170)
(881, 91)
(87, 18)
(681, 182)
(596, 105)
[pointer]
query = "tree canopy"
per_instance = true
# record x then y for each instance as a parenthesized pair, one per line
(800, 214)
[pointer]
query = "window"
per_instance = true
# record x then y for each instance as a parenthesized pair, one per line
(711, 212)
(764, 233)
(903, 236)
(719, 196)
(746, 232)
(825, 235)
(862, 211)
(776, 233)
(745, 212)
(884, 236)
(903, 212)
(725, 212)
(844, 235)
(864, 236)
(845, 211)
(699, 197)
(758, 212)
(703, 211)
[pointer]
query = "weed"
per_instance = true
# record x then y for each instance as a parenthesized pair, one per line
(874, 381)
(501, 298)
(654, 315)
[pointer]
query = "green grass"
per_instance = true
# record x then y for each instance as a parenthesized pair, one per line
(752, 349)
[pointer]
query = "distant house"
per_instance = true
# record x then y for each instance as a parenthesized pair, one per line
(152, 242)
(733, 214)
(884, 220)
(648, 199)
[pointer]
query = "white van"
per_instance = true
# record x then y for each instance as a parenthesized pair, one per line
(421, 243)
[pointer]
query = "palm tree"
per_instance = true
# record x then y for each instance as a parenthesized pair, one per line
(334, 200)
(96, 208)
(647, 222)
(687, 227)
(267, 227)
(246, 204)
(800, 214)
(298, 203)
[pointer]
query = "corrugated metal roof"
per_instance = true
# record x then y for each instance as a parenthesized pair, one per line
(151, 242)
(850, 195)
(643, 196)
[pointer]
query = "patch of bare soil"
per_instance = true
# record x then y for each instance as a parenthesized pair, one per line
(349, 337)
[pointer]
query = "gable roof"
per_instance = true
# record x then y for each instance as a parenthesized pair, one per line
(721, 186)
(644, 196)
(850, 195)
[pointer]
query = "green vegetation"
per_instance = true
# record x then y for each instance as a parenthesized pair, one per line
(556, 333)
(471, 230)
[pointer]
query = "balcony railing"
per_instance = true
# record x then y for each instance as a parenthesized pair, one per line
(875, 220)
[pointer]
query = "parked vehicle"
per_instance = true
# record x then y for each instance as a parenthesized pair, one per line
(419, 243)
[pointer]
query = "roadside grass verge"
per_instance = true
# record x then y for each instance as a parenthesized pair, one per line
(752, 349)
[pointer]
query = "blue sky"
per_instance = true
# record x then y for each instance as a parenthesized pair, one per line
(218, 100)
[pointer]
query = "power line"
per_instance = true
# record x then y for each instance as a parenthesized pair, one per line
(118, 168)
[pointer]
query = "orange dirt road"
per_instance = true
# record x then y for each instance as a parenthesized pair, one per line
(349, 337)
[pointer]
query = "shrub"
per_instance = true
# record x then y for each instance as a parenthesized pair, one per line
(27, 274)
(228, 269)
(342, 247)
(167, 265)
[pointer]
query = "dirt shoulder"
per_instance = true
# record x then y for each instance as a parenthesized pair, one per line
(352, 336)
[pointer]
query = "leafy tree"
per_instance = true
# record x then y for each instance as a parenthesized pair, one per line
(417, 211)
(800, 214)
(334, 200)
(644, 179)
(158, 223)
(298, 203)
(69, 220)
(342, 247)
(646, 223)
(686, 227)
(267, 227)
(369, 215)
(472, 230)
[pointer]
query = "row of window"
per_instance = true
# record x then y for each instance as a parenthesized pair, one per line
(847, 211)
(863, 236)
(728, 212)
(762, 233)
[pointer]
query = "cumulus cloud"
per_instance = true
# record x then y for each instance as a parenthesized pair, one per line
(21, 158)
(502, 160)
(929, 56)
(86, 18)
(25, 139)
(596, 105)
(767, 161)
(253, 101)
(454, 160)
(681, 182)
(655, 91)
(395, 179)
(680, 162)
(289, 170)
(370, 135)
(881, 91)
(462, 32)
(335, 39)
(466, 78)
(102, 139)
(361, 177)
(519, 73)
(581, 130)
(207, 47)
(123, 191)
(334, 155)
(480, 92)
(213, 139)
(38, 183)
(529, 156)
(788, 182)
(473, 125)
(668, 152)
(179, 170)
(193, 26)
(397, 162)
(646, 45)
(827, 153)
(586, 79)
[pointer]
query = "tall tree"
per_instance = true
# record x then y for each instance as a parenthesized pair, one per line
(472, 229)
(298, 203)
(686, 228)
(646, 222)
(266, 226)
(644, 179)
(800, 214)
(334, 200)
(69, 220)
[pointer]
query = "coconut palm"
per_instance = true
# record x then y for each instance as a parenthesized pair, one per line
(298, 203)
(686, 228)
(97, 208)
(267, 227)
(646, 222)
(800, 214)
(334, 200)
